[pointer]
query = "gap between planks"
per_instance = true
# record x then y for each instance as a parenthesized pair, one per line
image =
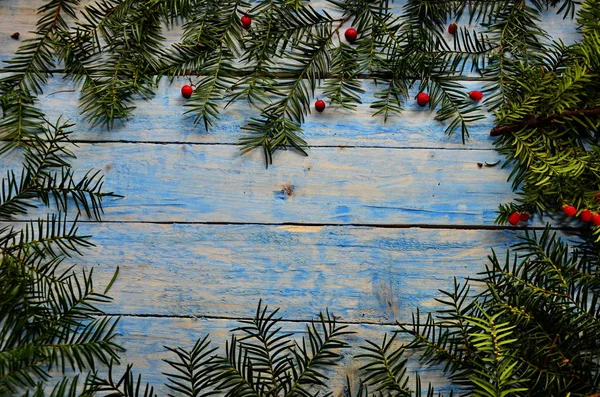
(287, 320)
(130, 142)
(318, 224)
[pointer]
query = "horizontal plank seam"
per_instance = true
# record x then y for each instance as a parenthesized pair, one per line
(164, 143)
(212, 317)
(319, 224)
(310, 146)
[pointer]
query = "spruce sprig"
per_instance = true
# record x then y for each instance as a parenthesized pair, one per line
(261, 360)
(532, 330)
(547, 130)
(47, 177)
(27, 72)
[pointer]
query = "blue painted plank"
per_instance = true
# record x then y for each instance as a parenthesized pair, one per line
(196, 183)
(362, 274)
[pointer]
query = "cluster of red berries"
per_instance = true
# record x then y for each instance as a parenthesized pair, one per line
(517, 217)
(586, 215)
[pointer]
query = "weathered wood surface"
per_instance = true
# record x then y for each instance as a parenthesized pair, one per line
(370, 225)
(365, 186)
(362, 274)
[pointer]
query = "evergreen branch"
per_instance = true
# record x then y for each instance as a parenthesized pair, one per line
(390, 99)
(385, 369)
(455, 105)
(67, 387)
(125, 386)
(46, 175)
(49, 238)
(280, 122)
(436, 339)
(268, 348)
(344, 88)
(27, 72)
(321, 353)
(194, 373)
(235, 373)
(209, 90)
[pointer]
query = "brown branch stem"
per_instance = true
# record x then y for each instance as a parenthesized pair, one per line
(543, 121)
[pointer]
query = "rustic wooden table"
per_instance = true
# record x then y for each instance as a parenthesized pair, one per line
(370, 225)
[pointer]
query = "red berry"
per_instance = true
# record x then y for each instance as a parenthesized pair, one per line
(514, 218)
(586, 215)
(246, 22)
(320, 105)
(452, 28)
(569, 210)
(596, 219)
(422, 99)
(186, 91)
(475, 95)
(351, 35)
(524, 216)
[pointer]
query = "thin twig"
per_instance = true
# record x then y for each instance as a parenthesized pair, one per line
(543, 121)
(56, 92)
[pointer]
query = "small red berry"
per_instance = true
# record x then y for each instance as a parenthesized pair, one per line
(524, 216)
(452, 28)
(351, 35)
(514, 218)
(569, 210)
(320, 105)
(186, 91)
(596, 219)
(422, 99)
(586, 215)
(475, 95)
(246, 22)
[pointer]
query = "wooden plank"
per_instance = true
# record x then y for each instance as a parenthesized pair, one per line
(163, 119)
(145, 339)
(375, 186)
(374, 275)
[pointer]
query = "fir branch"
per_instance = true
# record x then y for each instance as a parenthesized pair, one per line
(344, 88)
(385, 369)
(194, 374)
(47, 176)
(324, 343)
(28, 71)
(280, 122)
(50, 238)
(268, 348)
(127, 385)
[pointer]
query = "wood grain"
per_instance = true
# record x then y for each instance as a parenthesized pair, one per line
(362, 274)
(370, 186)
